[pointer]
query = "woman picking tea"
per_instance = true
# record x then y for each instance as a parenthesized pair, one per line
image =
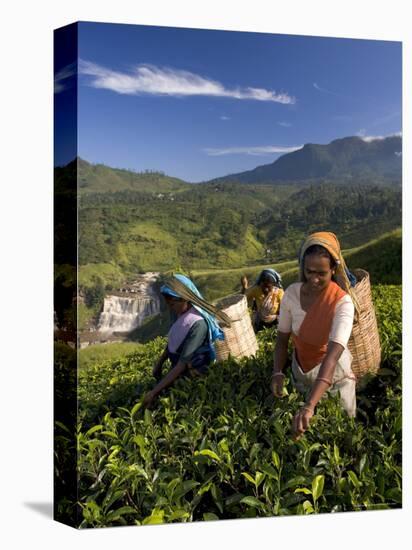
(190, 345)
(265, 297)
(318, 314)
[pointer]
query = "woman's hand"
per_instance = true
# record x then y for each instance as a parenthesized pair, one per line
(276, 384)
(157, 369)
(301, 421)
(244, 282)
(148, 399)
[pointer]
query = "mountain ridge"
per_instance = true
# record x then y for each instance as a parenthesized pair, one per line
(344, 159)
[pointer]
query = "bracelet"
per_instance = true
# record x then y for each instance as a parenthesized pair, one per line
(308, 408)
(324, 380)
(277, 374)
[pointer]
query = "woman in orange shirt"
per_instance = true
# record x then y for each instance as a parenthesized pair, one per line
(318, 313)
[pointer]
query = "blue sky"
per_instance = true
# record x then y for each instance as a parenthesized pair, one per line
(199, 104)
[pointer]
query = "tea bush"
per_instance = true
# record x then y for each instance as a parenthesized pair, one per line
(220, 446)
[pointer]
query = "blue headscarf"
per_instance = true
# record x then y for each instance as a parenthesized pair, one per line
(272, 275)
(351, 277)
(215, 332)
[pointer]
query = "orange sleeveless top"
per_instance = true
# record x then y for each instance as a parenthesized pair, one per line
(312, 341)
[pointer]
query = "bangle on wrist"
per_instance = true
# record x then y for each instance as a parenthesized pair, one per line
(309, 408)
(277, 374)
(326, 380)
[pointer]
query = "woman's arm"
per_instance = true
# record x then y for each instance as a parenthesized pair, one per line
(280, 357)
(167, 381)
(157, 369)
(244, 283)
(323, 381)
(196, 336)
(170, 377)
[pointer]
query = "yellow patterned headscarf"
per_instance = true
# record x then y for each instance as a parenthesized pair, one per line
(330, 242)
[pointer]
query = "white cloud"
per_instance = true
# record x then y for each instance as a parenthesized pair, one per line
(368, 139)
(255, 151)
(285, 124)
(223, 117)
(67, 72)
(149, 79)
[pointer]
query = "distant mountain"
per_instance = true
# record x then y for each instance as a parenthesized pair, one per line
(345, 160)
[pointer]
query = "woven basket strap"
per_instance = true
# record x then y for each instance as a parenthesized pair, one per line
(190, 296)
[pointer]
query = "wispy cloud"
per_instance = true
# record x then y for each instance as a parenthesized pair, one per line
(317, 87)
(325, 90)
(63, 75)
(223, 117)
(150, 79)
(285, 124)
(254, 151)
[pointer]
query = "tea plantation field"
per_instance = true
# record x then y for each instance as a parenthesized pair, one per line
(220, 447)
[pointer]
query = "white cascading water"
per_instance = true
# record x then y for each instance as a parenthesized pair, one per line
(125, 313)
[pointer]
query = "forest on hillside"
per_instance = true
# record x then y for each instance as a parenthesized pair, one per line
(227, 225)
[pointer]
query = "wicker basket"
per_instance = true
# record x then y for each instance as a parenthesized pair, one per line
(364, 342)
(240, 339)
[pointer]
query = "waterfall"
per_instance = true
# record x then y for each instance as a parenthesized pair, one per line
(129, 307)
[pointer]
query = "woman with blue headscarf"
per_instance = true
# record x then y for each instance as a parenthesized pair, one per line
(264, 296)
(190, 346)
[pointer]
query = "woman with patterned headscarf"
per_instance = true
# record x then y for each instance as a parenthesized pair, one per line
(318, 313)
(190, 346)
(264, 296)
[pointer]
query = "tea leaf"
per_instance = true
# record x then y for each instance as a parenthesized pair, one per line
(317, 487)
(276, 459)
(94, 429)
(354, 479)
(208, 516)
(155, 518)
(252, 501)
(136, 408)
(209, 453)
(249, 477)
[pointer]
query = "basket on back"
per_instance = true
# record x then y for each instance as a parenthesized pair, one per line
(364, 342)
(240, 339)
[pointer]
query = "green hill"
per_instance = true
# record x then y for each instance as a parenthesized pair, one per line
(381, 257)
(223, 226)
(130, 223)
(99, 178)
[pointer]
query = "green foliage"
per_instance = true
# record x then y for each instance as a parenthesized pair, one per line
(128, 222)
(94, 296)
(220, 446)
(97, 353)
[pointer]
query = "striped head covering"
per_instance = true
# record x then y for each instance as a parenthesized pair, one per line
(330, 242)
(180, 286)
(270, 274)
